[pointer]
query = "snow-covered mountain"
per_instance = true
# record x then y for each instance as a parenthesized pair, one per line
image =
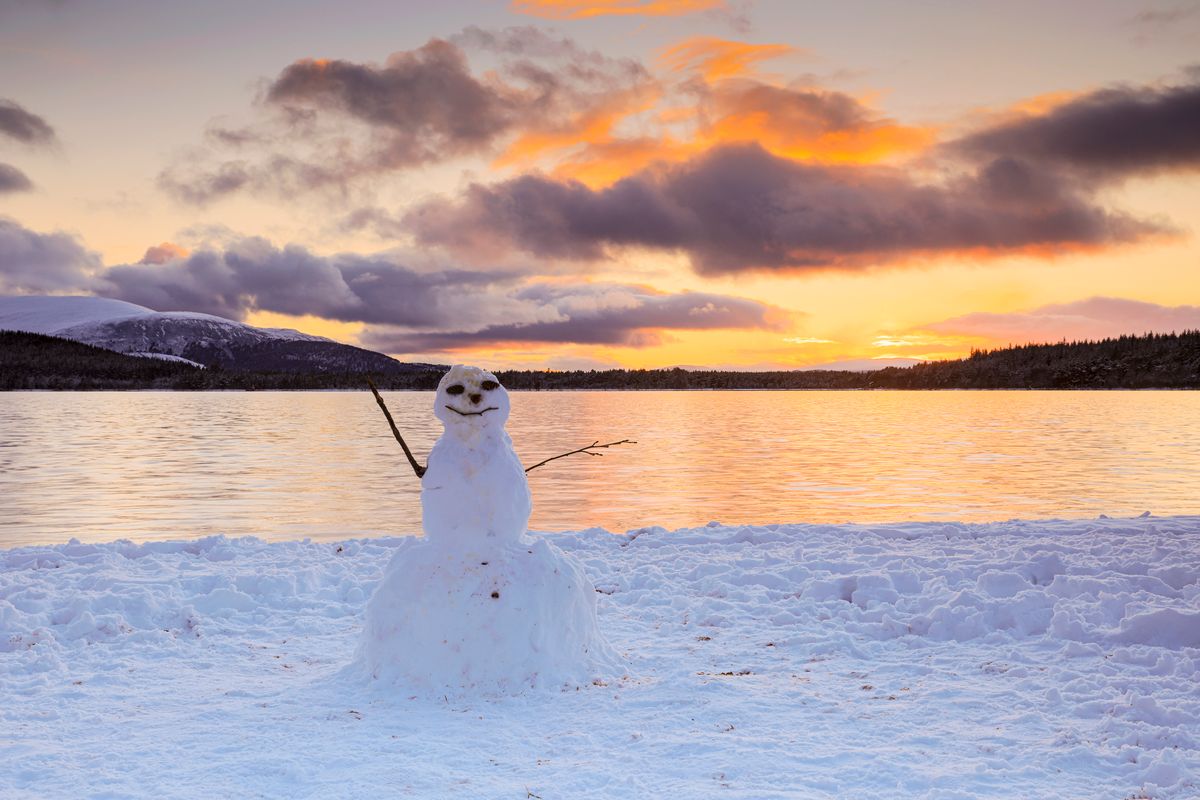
(44, 314)
(202, 338)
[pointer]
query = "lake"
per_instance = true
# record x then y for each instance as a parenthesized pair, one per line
(159, 465)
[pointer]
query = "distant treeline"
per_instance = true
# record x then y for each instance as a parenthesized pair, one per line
(1158, 361)
(1163, 361)
(32, 361)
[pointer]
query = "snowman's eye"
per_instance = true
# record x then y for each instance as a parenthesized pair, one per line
(489, 385)
(455, 389)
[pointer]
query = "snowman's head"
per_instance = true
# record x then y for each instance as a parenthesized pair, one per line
(470, 400)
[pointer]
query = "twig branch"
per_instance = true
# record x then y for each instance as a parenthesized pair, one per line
(417, 468)
(593, 446)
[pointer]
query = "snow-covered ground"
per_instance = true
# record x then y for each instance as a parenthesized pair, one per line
(1022, 659)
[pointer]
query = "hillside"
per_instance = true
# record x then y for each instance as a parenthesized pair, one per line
(205, 339)
(1155, 360)
(35, 361)
(38, 361)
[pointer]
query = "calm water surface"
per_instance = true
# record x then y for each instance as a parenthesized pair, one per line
(149, 465)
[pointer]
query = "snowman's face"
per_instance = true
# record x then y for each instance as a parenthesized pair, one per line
(471, 399)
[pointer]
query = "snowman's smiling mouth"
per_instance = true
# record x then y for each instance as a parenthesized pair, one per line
(472, 413)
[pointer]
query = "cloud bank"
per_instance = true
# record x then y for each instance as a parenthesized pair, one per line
(790, 201)
(738, 207)
(251, 274)
(407, 310)
(728, 168)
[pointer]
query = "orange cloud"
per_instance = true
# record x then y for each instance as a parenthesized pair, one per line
(583, 9)
(716, 59)
(162, 253)
(661, 120)
(604, 163)
(595, 124)
(800, 124)
(1043, 103)
(810, 125)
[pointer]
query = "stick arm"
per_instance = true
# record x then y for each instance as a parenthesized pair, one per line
(417, 468)
(588, 450)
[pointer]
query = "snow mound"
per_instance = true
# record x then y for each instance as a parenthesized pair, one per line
(443, 621)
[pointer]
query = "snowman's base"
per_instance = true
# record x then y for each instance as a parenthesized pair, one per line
(516, 617)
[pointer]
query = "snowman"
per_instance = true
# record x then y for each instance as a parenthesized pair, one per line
(477, 605)
(474, 494)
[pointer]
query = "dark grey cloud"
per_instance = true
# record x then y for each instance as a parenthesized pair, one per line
(34, 263)
(1162, 18)
(554, 219)
(415, 310)
(331, 123)
(600, 314)
(524, 41)
(524, 45)
(1107, 134)
(24, 126)
(420, 106)
(251, 274)
(379, 221)
(234, 137)
(282, 174)
(13, 180)
(198, 187)
(738, 207)
(426, 99)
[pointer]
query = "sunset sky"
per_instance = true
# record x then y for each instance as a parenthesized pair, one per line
(640, 183)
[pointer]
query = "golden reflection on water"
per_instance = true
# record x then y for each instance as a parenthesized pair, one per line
(148, 465)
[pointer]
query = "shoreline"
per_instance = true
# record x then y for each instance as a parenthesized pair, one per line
(658, 530)
(632, 390)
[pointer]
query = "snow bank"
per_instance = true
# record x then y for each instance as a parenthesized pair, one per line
(1018, 659)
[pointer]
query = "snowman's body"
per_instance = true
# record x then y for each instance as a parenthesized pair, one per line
(474, 494)
(477, 604)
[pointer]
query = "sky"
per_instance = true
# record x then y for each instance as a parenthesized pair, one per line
(597, 183)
